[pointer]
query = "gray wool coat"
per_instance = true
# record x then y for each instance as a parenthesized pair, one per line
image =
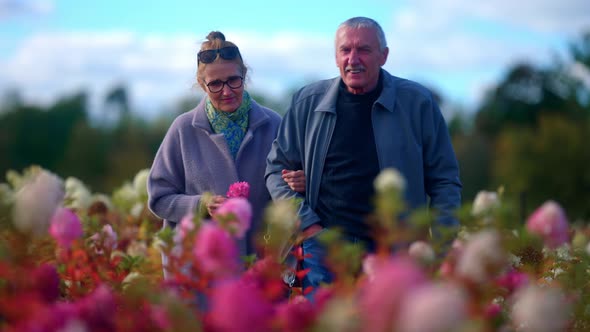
(192, 160)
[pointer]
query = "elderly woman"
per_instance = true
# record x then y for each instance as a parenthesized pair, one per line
(225, 139)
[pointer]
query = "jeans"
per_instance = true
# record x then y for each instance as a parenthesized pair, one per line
(318, 271)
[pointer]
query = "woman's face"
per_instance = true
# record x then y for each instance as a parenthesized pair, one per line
(228, 99)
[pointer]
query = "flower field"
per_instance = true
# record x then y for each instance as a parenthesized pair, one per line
(73, 260)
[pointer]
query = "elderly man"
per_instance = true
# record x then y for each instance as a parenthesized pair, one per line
(342, 132)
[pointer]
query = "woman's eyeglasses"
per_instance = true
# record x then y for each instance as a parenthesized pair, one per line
(227, 53)
(234, 82)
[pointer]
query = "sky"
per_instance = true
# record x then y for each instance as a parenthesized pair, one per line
(460, 48)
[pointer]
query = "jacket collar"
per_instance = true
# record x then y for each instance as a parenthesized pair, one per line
(386, 98)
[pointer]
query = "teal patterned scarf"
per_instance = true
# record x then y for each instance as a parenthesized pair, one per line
(233, 125)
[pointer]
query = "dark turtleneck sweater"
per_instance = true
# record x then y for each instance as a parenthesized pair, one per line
(346, 189)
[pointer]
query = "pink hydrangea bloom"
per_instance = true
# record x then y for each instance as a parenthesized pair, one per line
(236, 306)
(239, 189)
(296, 315)
(492, 310)
(65, 227)
(382, 297)
(110, 237)
(513, 280)
(98, 309)
(236, 215)
(550, 223)
(215, 251)
(434, 307)
(46, 282)
(106, 239)
(185, 226)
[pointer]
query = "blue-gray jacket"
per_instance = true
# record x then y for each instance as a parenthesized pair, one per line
(410, 135)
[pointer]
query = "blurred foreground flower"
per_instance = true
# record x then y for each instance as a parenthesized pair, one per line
(383, 297)
(235, 214)
(282, 224)
(434, 308)
(77, 195)
(422, 252)
(65, 227)
(538, 309)
(485, 202)
(550, 223)
(389, 179)
(36, 202)
(482, 258)
(215, 251)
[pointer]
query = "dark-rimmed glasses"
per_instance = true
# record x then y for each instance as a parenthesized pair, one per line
(227, 53)
(234, 82)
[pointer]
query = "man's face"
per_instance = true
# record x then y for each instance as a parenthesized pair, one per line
(359, 58)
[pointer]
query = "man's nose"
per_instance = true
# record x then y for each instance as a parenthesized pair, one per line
(354, 57)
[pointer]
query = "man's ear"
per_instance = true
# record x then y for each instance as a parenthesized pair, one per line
(385, 53)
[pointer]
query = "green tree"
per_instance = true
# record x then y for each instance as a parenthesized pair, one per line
(547, 162)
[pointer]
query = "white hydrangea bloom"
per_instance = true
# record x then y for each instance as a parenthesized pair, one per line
(436, 307)
(514, 260)
(339, 315)
(77, 195)
(485, 201)
(540, 309)
(6, 194)
(106, 200)
(422, 252)
(36, 201)
(140, 183)
(283, 224)
(564, 252)
(389, 179)
(482, 257)
(283, 213)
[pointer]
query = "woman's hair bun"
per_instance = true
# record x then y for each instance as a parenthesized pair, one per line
(215, 35)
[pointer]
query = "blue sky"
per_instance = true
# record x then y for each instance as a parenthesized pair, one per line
(458, 47)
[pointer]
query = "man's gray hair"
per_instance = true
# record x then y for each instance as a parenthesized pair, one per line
(365, 22)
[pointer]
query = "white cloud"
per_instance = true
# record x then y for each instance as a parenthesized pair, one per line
(157, 69)
(48, 65)
(443, 39)
(562, 17)
(12, 8)
(427, 40)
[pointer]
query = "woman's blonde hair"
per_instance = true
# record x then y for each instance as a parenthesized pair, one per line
(216, 40)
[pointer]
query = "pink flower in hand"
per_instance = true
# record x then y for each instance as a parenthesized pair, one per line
(65, 227)
(235, 215)
(239, 189)
(215, 251)
(550, 223)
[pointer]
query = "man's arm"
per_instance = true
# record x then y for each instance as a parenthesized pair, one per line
(441, 172)
(287, 152)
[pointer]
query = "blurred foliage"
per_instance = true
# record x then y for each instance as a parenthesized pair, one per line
(527, 134)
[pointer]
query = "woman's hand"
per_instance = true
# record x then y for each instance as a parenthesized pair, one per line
(295, 180)
(214, 203)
